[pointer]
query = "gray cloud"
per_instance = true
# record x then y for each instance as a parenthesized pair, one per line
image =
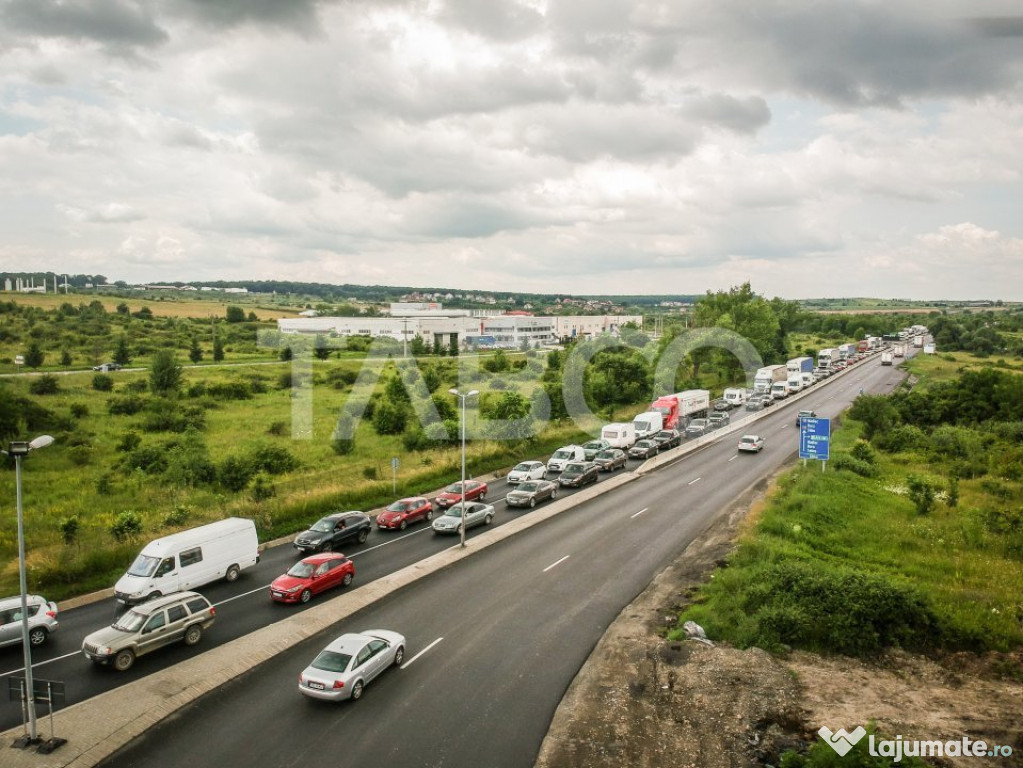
(118, 24)
(300, 15)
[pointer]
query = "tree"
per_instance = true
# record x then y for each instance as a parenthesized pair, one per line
(34, 355)
(341, 444)
(218, 350)
(65, 358)
(122, 355)
(436, 345)
(194, 352)
(235, 315)
(165, 373)
(417, 346)
(876, 412)
(453, 346)
(921, 493)
(123, 309)
(320, 348)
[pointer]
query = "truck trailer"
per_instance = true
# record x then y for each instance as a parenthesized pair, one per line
(768, 376)
(677, 409)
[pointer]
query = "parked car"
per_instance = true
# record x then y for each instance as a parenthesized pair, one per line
(105, 367)
(667, 438)
(644, 449)
(527, 470)
(718, 420)
(579, 473)
(610, 459)
(593, 447)
(311, 576)
(475, 490)
(698, 427)
(755, 404)
(333, 530)
(42, 619)
(476, 513)
(751, 444)
(178, 617)
(805, 414)
(405, 511)
(345, 667)
(532, 493)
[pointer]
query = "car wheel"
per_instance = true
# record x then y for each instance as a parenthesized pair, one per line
(326, 546)
(429, 515)
(305, 596)
(554, 493)
(483, 495)
(543, 475)
(403, 526)
(193, 634)
(357, 690)
(153, 596)
(488, 520)
(37, 636)
(363, 535)
(347, 579)
(232, 573)
(399, 655)
(123, 660)
(532, 503)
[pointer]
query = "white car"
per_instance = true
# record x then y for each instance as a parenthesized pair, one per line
(525, 471)
(346, 666)
(751, 443)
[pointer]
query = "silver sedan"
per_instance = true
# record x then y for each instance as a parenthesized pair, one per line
(345, 667)
(475, 514)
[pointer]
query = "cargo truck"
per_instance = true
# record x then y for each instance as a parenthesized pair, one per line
(887, 357)
(676, 410)
(899, 350)
(918, 341)
(845, 351)
(863, 346)
(799, 365)
(768, 376)
(826, 358)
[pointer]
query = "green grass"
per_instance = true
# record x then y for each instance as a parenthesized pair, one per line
(840, 562)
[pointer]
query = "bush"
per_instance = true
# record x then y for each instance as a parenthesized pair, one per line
(863, 452)
(851, 463)
(79, 410)
(149, 459)
(262, 488)
(272, 459)
(103, 383)
(342, 442)
(69, 529)
(235, 473)
(278, 428)
(127, 405)
(197, 390)
(137, 385)
(341, 378)
(370, 473)
(127, 525)
(922, 493)
(46, 384)
(129, 442)
(230, 390)
(905, 437)
(80, 455)
(389, 419)
(176, 517)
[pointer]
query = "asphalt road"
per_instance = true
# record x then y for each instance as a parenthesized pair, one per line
(501, 635)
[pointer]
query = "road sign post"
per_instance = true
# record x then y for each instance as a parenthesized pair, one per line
(394, 475)
(815, 439)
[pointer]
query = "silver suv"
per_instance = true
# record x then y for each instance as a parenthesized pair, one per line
(42, 619)
(181, 616)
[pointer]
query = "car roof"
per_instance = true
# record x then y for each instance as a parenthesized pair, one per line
(412, 498)
(321, 557)
(750, 437)
(349, 643)
(161, 602)
(13, 602)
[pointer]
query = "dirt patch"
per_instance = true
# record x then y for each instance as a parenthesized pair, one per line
(644, 702)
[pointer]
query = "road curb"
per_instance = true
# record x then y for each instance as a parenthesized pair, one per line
(97, 727)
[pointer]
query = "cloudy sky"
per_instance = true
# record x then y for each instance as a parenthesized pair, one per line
(813, 147)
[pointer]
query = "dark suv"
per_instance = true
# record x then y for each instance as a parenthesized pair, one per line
(333, 530)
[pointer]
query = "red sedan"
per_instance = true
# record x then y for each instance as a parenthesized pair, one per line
(405, 511)
(311, 576)
(475, 490)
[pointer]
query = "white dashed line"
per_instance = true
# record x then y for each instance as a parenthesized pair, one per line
(559, 562)
(639, 513)
(694, 481)
(409, 662)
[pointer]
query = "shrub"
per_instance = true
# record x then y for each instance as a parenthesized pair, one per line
(129, 442)
(905, 437)
(165, 376)
(921, 493)
(197, 390)
(104, 484)
(278, 428)
(852, 464)
(127, 525)
(863, 452)
(46, 384)
(80, 455)
(230, 390)
(235, 473)
(79, 410)
(262, 488)
(127, 405)
(952, 494)
(149, 459)
(389, 418)
(370, 473)
(272, 459)
(101, 382)
(342, 442)
(137, 385)
(341, 378)
(69, 529)
(177, 516)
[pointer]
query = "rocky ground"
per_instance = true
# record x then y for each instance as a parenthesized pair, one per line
(643, 702)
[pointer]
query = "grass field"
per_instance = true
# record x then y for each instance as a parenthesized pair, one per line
(169, 305)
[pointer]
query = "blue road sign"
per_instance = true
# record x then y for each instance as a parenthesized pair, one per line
(814, 438)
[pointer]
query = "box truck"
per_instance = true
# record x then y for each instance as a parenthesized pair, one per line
(845, 351)
(918, 341)
(887, 357)
(619, 435)
(190, 559)
(768, 376)
(676, 410)
(647, 424)
(899, 350)
(799, 365)
(863, 345)
(827, 357)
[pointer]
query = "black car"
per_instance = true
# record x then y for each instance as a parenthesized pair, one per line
(644, 449)
(333, 530)
(755, 404)
(805, 414)
(718, 420)
(667, 438)
(609, 459)
(722, 405)
(107, 367)
(579, 473)
(697, 428)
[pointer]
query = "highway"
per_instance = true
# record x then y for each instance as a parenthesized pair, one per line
(493, 641)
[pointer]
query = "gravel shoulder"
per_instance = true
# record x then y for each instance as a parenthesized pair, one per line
(644, 702)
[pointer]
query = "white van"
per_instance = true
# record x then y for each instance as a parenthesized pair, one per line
(619, 435)
(190, 559)
(649, 423)
(563, 455)
(780, 390)
(795, 383)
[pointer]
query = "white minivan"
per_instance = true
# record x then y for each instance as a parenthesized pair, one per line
(780, 390)
(190, 559)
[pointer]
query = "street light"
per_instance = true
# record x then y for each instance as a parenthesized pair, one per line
(463, 398)
(18, 449)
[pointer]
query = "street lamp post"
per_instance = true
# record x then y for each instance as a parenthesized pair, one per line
(463, 398)
(18, 450)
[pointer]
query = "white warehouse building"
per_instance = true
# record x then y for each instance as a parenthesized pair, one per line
(486, 328)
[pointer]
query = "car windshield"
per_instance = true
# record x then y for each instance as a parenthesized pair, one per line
(698, 423)
(606, 455)
(522, 467)
(454, 488)
(144, 565)
(574, 468)
(664, 435)
(455, 510)
(528, 487)
(748, 440)
(132, 621)
(594, 445)
(331, 661)
(301, 570)
(643, 444)
(563, 454)
(399, 506)
(326, 525)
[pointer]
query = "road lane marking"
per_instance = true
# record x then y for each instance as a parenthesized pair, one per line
(409, 662)
(559, 562)
(734, 457)
(694, 481)
(639, 513)
(41, 663)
